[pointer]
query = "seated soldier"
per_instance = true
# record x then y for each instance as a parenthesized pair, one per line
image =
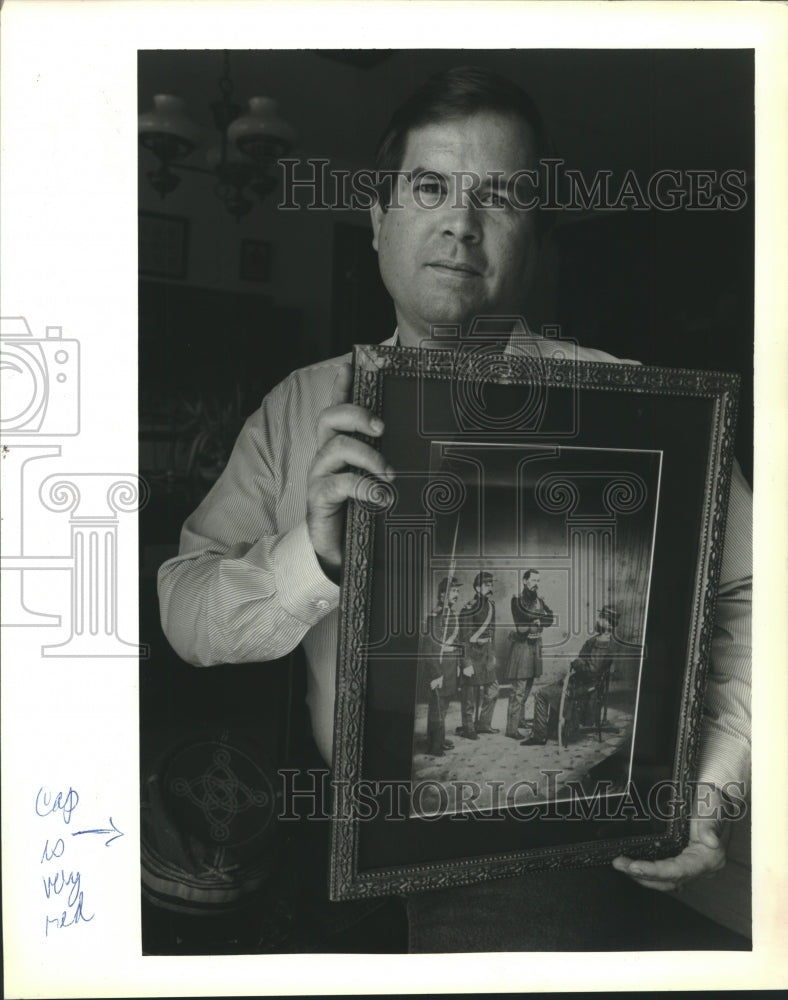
(596, 656)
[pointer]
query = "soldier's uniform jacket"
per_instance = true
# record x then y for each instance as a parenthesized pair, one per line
(531, 615)
(444, 647)
(477, 632)
(596, 656)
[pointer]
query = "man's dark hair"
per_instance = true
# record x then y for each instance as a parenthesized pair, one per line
(528, 572)
(449, 95)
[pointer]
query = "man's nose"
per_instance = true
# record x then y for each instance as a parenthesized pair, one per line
(462, 221)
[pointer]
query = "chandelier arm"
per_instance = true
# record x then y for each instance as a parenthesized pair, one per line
(192, 168)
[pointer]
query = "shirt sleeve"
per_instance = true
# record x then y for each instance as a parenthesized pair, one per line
(240, 589)
(725, 737)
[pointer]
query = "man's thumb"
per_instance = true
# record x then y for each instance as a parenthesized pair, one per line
(708, 833)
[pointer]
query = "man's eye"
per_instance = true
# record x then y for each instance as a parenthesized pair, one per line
(495, 199)
(429, 191)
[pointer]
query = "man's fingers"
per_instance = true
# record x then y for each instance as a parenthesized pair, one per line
(347, 418)
(636, 870)
(332, 478)
(695, 861)
(706, 832)
(331, 492)
(701, 858)
(342, 451)
(667, 870)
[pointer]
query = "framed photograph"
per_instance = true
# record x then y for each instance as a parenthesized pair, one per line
(526, 614)
(255, 260)
(163, 245)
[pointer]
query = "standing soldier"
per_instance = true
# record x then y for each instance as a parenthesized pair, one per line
(530, 615)
(478, 679)
(443, 629)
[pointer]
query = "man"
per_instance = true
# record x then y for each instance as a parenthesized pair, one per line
(531, 616)
(260, 559)
(597, 656)
(478, 678)
(443, 629)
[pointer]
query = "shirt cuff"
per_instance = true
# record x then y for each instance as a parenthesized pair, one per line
(304, 590)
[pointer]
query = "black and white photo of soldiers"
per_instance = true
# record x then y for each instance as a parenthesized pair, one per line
(531, 616)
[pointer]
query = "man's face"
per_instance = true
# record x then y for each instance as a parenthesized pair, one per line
(454, 593)
(444, 259)
(485, 589)
(532, 582)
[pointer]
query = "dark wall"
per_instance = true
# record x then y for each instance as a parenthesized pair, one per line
(673, 289)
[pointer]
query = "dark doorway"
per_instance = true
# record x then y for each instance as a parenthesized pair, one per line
(361, 309)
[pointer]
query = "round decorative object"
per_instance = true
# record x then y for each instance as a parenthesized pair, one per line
(24, 387)
(208, 824)
(166, 129)
(261, 134)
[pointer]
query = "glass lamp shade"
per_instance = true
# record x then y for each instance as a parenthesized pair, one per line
(262, 134)
(166, 129)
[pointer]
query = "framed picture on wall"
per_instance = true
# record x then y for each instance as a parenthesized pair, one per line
(163, 245)
(554, 529)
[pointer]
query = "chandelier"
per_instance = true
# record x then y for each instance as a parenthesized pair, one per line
(243, 162)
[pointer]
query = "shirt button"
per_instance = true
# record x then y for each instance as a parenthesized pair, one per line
(321, 605)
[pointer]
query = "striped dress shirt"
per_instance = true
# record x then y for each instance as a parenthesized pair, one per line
(246, 585)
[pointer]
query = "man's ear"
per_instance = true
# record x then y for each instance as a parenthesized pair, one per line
(377, 215)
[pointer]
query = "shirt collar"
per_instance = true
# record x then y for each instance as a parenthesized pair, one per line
(521, 341)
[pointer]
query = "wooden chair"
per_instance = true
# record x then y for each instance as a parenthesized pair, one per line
(580, 702)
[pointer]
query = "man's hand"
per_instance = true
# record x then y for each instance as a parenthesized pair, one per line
(702, 857)
(468, 671)
(329, 480)
(436, 682)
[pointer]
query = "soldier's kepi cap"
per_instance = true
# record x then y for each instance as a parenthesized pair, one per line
(446, 583)
(481, 578)
(609, 613)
